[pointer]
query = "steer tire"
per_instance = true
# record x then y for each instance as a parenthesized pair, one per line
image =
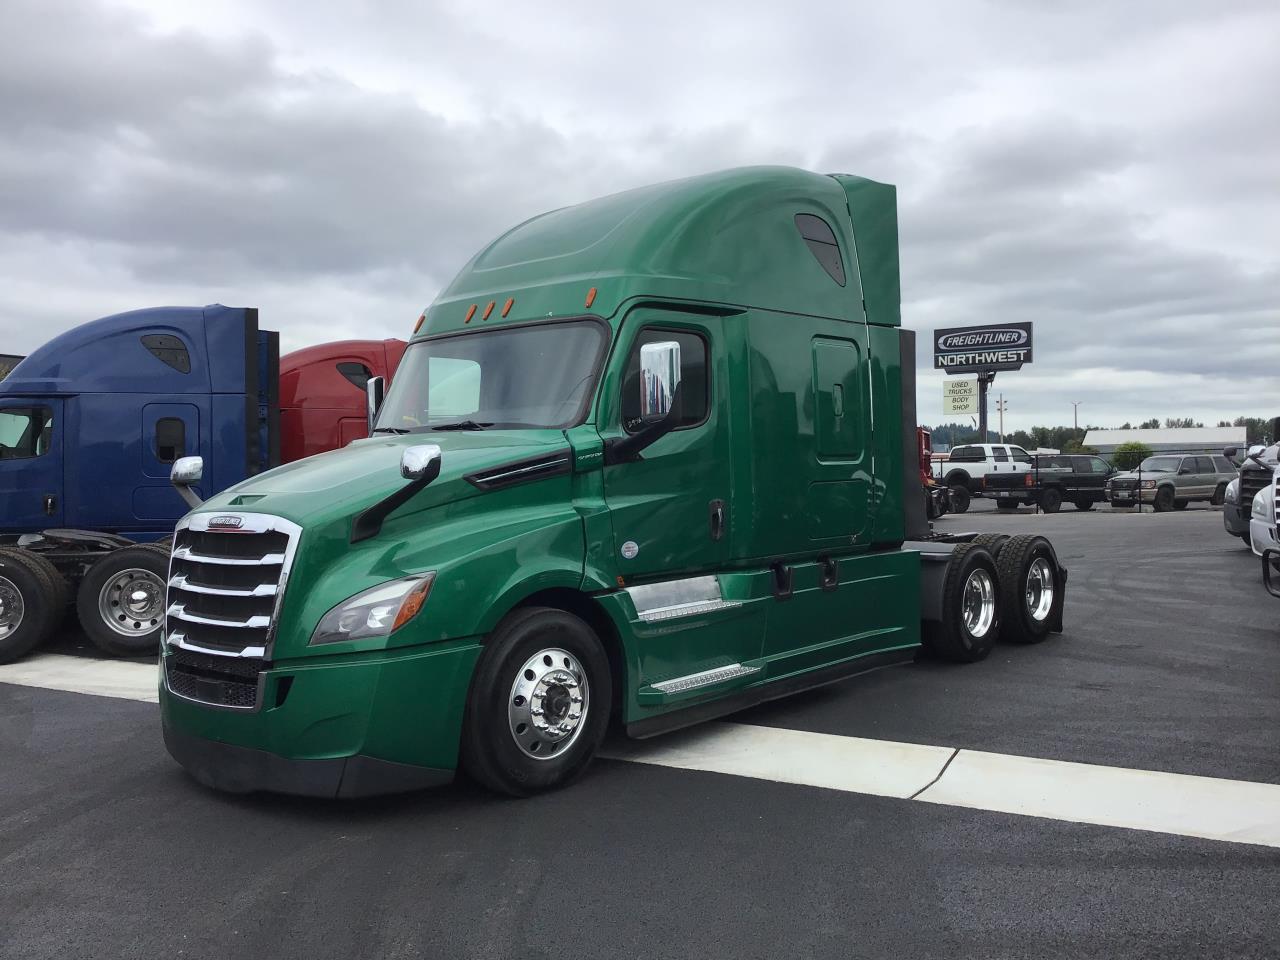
(951, 638)
(1164, 500)
(1219, 495)
(1027, 619)
(1050, 500)
(138, 631)
(491, 750)
(1248, 540)
(28, 579)
(960, 499)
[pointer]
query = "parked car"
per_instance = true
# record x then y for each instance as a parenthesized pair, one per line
(1170, 481)
(1052, 480)
(964, 469)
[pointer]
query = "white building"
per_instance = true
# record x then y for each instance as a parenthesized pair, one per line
(1175, 439)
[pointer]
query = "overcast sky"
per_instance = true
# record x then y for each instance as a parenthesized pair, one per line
(1109, 171)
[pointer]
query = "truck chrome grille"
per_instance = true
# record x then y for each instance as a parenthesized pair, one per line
(1251, 481)
(227, 578)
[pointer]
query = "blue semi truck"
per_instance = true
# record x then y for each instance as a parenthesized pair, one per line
(91, 424)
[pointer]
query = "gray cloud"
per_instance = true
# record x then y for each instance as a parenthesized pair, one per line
(1106, 173)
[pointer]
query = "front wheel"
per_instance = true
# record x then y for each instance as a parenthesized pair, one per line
(1180, 504)
(539, 703)
(1084, 504)
(121, 600)
(1164, 500)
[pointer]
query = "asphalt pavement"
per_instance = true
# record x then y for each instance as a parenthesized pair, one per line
(1170, 662)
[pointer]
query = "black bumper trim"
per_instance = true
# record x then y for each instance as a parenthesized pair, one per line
(235, 769)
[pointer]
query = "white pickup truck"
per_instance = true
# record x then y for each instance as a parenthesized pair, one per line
(966, 465)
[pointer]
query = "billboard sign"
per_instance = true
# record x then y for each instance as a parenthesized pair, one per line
(1005, 346)
(960, 396)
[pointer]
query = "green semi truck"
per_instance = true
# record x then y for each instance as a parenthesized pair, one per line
(647, 460)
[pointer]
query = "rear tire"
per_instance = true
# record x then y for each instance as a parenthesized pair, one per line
(28, 604)
(62, 590)
(970, 622)
(1050, 500)
(959, 499)
(121, 600)
(1031, 596)
(533, 666)
(1084, 504)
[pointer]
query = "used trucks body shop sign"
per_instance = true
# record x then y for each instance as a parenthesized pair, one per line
(980, 349)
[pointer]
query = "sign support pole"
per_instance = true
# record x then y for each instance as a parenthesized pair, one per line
(984, 382)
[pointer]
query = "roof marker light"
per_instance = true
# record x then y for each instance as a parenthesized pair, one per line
(471, 312)
(418, 326)
(488, 310)
(506, 307)
(591, 296)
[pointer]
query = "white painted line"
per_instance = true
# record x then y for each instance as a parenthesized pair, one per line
(852, 764)
(102, 678)
(1239, 811)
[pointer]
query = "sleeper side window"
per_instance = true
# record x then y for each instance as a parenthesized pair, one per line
(695, 378)
(25, 432)
(821, 241)
(357, 374)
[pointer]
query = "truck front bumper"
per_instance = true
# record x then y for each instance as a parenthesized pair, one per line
(1235, 518)
(343, 726)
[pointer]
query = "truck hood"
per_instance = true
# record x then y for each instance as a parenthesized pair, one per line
(337, 485)
(1133, 474)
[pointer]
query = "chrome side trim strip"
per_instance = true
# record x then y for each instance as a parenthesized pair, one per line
(180, 582)
(706, 678)
(546, 464)
(688, 609)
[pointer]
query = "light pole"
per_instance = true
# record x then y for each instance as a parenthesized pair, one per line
(1075, 416)
(1001, 407)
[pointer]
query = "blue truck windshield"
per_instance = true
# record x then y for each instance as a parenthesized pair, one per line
(539, 375)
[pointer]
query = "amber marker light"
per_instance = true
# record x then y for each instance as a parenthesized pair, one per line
(418, 326)
(471, 312)
(488, 310)
(506, 307)
(413, 602)
(591, 296)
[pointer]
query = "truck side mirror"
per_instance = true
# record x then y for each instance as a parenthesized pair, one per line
(1230, 452)
(373, 392)
(186, 471)
(421, 462)
(659, 378)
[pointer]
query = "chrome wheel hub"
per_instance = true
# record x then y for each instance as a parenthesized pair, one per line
(11, 607)
(1039, 589)
(548, 703)
(978, 603)
(132, 602)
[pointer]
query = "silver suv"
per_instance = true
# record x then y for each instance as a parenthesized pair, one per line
(1170, 481)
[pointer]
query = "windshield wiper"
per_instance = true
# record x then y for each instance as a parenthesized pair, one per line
(461, 425)
(395, 430)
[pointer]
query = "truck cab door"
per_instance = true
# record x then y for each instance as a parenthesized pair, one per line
(31, 463)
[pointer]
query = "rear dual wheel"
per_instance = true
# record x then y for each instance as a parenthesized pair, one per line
(970, 623)
(121, 600)
(539, 703)
(33, 598)
(1031, 594)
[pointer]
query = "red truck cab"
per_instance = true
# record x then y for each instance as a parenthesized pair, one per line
(322, 393)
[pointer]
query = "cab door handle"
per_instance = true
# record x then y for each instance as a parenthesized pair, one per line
(50, 504)
(716, 519)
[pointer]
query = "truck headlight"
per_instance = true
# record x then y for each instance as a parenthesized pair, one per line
(1260, 505)
(376, 612)
(1232, 493)
(1148, 484)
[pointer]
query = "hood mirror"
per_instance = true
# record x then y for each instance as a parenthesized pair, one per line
(421, 462)
(186, 471)
(374, 391)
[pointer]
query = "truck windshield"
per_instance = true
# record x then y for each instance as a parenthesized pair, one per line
(1167, 464)
(533, 376)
